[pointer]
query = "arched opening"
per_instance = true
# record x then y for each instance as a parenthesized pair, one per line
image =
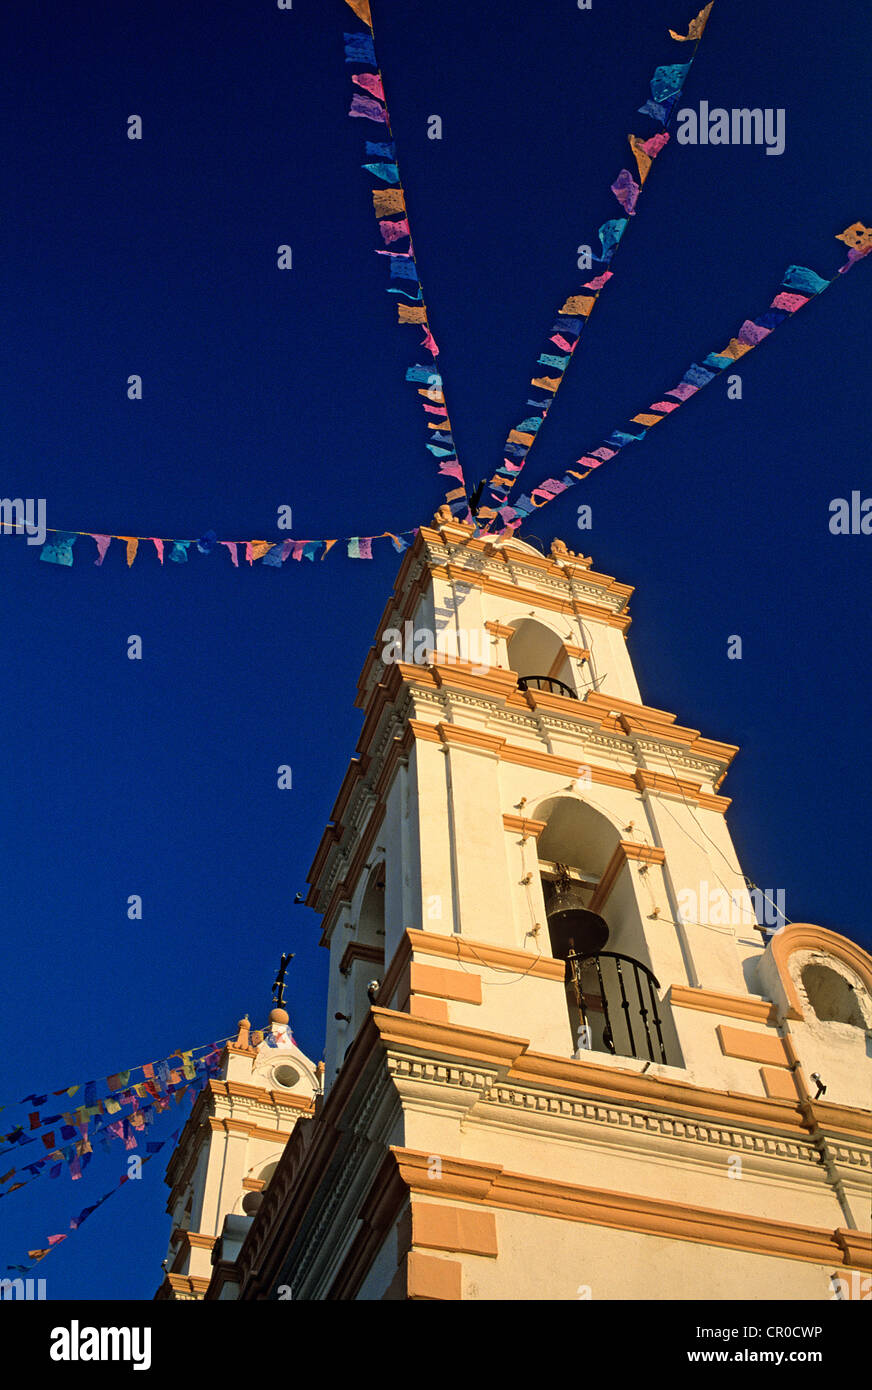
(831, 996)
(612, 997)
(367, 953)
(539, 659)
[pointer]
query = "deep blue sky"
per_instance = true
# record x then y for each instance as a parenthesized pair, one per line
(158, 777)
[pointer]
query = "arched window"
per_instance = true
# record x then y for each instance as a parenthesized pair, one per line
(539, 658)
(831, 995)
(612, 998)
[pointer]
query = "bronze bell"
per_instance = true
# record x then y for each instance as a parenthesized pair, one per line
(572, 925)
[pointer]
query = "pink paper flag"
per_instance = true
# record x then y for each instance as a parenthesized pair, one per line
(102, 547)
(231, 546)
(364, 548)
(600, 280)
(158, 545)
(665, 405)
(604, 452)
(562, 343)
(590, 462)
(53, 1240)
(436, 410)
(789, 302)
(683, 391)
(752, 333)
(429, 342)
(653, 146)
(370, 82)
(297, 548)
(450, 468)
(392, 231)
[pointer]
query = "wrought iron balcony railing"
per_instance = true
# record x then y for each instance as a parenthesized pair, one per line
(616, 999)
(550, 683)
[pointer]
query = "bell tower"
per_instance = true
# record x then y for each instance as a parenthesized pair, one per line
(227, 1153)
(564, 1051)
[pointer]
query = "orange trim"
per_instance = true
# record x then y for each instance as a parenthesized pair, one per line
(428, 1276)
(500, 630)
(459, 948)
(780, 1083)
(710, 1001)
(530, 828)
(801, 936)
(681, 789)
(435, 1009)
(624, 851)
(445, 984)
(357, 950)
(857, 1246)
(454, 1229)
(494, 1186)
(753, 1047)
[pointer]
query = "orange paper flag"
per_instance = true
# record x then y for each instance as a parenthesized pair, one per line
(646, 419)
(579, 304)
(643, 159)
(361, 9)
(547, 383)
(386, 200)
(409, 314)
(696, 26)
(856, 235)
(518, 437)
(132, 547)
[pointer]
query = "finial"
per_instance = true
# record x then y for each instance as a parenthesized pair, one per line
(442, 516)
(244, 1028)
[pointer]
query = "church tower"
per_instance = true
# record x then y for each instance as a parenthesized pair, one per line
(566, 1057)
(227, 1152)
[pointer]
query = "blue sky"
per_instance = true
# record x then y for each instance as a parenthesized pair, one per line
(261, 388)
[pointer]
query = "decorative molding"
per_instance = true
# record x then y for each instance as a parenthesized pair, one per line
(530, 829)
(625, 851)
(493, 1186)
(710, 1001)
(753, 1047)
(806, 936)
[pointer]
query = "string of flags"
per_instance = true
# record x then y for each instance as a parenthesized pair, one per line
(572, 317)
(368, 103)
(115, 1081)
(799, 286)
(59, 550)
(53, 1241)
(197, 1073)
(69, 1140)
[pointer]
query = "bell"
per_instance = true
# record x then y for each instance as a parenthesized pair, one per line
(572, 925)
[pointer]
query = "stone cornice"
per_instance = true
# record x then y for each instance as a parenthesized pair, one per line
(492, 1185)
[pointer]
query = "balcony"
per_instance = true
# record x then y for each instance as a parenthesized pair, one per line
(616, 1002)
(549, 683)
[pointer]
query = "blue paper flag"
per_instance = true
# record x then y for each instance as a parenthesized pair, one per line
(207, 543)
(60, 550)
(668, 81)
(719, 363)
(359, 48)
(697, 376)
(799, 277)
(531, 425)
(381, 151)
(388, 173)
(659, 111)
(179, 552)
(610, 234)
(425, 374)
(403, 270)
